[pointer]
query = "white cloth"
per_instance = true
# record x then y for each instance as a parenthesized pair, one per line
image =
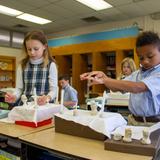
(30, 114)
(105, 125)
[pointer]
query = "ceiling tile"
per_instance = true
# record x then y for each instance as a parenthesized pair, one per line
(132, 10)
(75, 6)
(59, 11)
(34, 3)
(150, 6)
(68, 14)
(19, 6)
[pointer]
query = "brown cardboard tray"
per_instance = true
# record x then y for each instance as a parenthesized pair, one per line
(75, 129)
(135, 147)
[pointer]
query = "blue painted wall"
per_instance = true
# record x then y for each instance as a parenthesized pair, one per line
(105, 35)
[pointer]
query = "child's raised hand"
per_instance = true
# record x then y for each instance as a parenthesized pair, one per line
(84, 76)
(95, 77)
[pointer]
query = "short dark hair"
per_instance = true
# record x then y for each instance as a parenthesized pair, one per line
(64, 77)
(147, 38)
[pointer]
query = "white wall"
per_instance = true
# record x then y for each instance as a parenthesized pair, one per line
(145, 22)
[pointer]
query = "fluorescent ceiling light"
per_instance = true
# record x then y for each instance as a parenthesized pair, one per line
(96, 4)
(4, 38)
(34, 19)
(18, 40)
(9, 11)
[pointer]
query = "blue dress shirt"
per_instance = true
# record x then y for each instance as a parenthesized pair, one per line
(70, 94)
(146, 103)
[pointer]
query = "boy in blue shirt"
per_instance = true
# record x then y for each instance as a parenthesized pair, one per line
(70, 94)
(143, 84)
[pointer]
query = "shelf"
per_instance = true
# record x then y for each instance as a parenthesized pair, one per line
(110, 68)
(7, 70)
(7, 75)
(7, 81)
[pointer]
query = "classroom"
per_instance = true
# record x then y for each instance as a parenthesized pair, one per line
(79, 79)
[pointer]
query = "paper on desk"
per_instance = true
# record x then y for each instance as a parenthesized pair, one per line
(6, 120)
(136, 130)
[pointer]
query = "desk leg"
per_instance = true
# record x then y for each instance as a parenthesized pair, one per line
(23, 152)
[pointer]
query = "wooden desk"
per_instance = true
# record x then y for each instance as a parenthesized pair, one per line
(15, 131)
(81, 148)
(12, 132)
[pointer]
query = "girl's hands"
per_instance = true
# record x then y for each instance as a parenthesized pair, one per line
(10, 98)
(42, 100)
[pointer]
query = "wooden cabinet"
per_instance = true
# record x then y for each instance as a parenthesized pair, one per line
(105, 56)
(64, 64)
(7, 71)
(74, 65)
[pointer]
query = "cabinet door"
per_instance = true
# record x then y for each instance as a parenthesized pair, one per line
(79, 66)
(99, 64)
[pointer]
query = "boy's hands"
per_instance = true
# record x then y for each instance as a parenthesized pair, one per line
(95, 77)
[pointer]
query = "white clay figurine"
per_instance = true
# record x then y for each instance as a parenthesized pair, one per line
(75, 111)
(93, 108)
(62, 101)
(128, 135)
(117, 136)
(57, 96)
(146, 137)
(24, 100)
